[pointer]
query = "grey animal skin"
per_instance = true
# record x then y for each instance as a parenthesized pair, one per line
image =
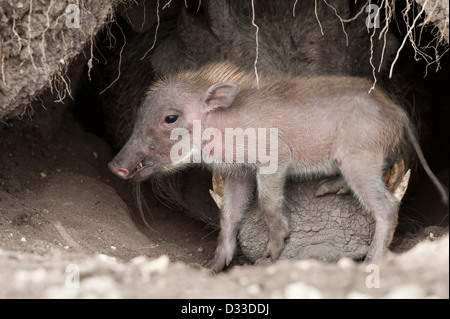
(325, 126)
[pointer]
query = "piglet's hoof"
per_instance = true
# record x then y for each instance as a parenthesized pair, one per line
(333, 185)
(215, 266)
(276, 242)
(274, 249)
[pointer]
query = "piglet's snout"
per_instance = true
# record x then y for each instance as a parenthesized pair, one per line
(121, 172)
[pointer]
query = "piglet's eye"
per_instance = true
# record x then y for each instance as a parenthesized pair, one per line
(170, 119)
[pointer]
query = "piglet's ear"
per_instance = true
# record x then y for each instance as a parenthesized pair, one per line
(221, 94)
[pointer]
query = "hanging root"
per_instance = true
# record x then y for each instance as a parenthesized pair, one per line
(120, 60)
(257, 43)
(414, 35)
(2, 62)
(157, 28)
(414, 31)
(408, 34)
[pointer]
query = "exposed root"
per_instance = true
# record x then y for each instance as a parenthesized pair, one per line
(293, 8)
(371, 62)
(257, 43)
(91, 59)
(389, 11)
(412, 29)
(317, 17)
(414, 35)
(374, 75)
(145, 16)
(120, 60)
(340, 19)
(356, 16)
(2, 62)
(167, 5)
(30, 51)
(19, 39)
(27, 111)
(62, 93)
(156, 31)
(42, 45)
(408, 34)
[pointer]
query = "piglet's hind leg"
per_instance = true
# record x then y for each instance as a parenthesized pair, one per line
(364, 174)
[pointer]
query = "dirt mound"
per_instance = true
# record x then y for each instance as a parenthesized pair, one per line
(56, 275)
(38, 41)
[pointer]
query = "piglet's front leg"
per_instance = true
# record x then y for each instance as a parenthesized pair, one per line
(237, 192)
(270, 199)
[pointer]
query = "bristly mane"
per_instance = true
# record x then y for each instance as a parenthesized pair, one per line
(210, 74)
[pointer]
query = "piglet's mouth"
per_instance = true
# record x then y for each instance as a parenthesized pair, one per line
(143, 165)
(140, 167)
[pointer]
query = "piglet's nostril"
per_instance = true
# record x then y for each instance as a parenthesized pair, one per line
(119, 171)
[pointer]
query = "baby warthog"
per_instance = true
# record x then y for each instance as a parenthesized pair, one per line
(219, 117)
